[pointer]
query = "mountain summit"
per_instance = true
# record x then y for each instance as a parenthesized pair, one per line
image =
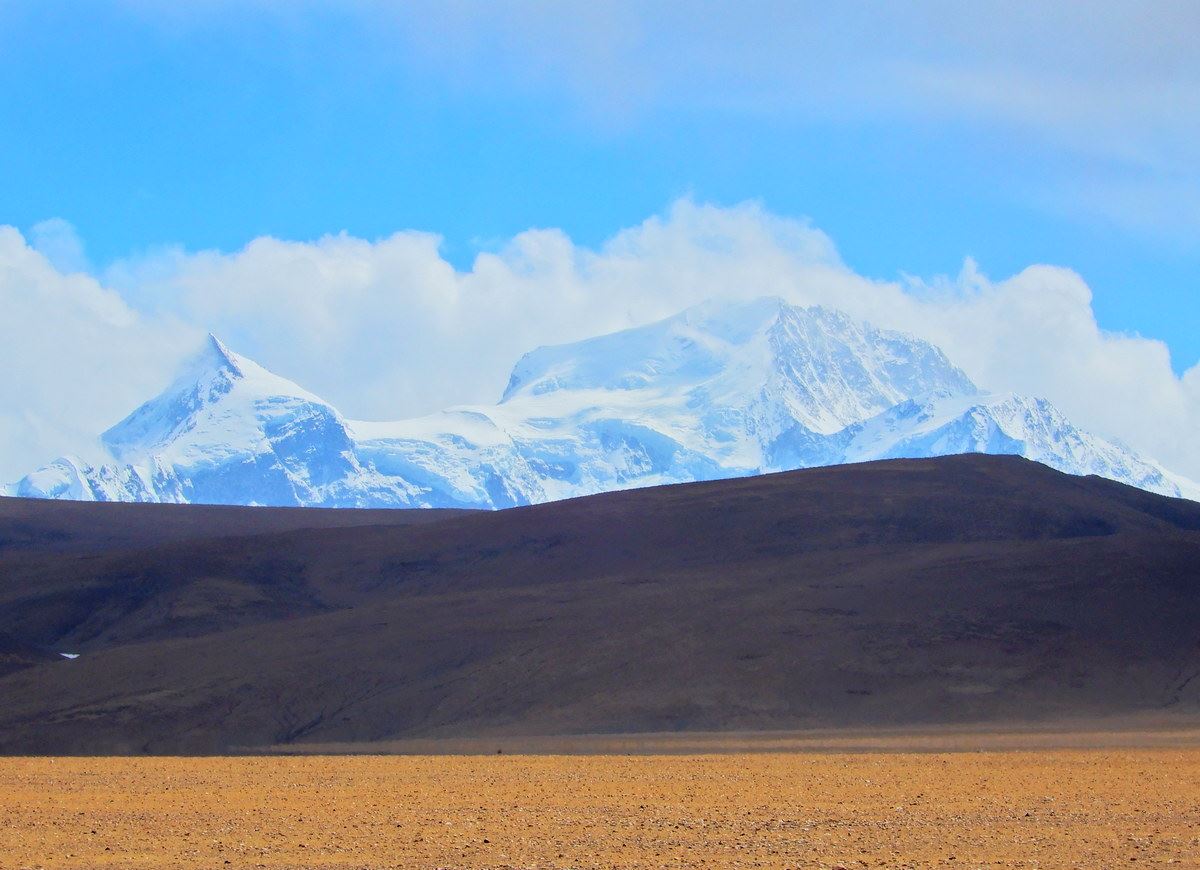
(719, 390)
(828, 368)
(218, 398)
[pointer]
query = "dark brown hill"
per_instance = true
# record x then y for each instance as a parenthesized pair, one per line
(968, 588)
(42, 525)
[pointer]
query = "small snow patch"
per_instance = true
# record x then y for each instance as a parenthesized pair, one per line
(69, 655)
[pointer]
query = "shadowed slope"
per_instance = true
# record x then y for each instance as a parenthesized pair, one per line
(39, 525)
(967, 588)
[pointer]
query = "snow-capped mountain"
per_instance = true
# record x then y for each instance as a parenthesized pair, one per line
(943, 424)
(719, 390)
(225, 431)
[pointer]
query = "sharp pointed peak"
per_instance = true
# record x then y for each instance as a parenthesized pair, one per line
(216, 354)
(207, 378)
(215, 362)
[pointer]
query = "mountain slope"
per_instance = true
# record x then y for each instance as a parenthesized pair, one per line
(720, 390)
(967, 588)
(1004, 424)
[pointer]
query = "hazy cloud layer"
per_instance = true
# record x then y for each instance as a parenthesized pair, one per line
(388, 329)
(1113, 84)
(1107, 92)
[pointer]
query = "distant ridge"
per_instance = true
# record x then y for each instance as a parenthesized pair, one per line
(907, 592)
(720, 390)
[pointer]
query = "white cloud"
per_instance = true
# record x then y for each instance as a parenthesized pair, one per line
(56, 240)
(388, 329)
(75, 357)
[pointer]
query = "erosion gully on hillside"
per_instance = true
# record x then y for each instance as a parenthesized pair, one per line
(913, 592)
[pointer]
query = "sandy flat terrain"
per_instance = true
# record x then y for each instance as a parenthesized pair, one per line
(1052, 808)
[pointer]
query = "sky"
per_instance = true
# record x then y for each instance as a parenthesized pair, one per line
(390, 202)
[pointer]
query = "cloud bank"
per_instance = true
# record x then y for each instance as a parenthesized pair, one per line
(387, 329)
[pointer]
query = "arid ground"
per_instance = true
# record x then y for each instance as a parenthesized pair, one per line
(1096, 807)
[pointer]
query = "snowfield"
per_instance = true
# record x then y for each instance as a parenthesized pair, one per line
(719, 390)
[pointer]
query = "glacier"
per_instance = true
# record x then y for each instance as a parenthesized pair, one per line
(720, 390)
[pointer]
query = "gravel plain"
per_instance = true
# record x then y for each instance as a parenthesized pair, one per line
(1049, 808)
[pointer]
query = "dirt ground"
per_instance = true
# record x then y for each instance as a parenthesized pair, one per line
(1048, 808)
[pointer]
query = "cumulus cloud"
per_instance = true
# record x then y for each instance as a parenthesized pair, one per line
(57, 241)
(75, 356)
(388, 328)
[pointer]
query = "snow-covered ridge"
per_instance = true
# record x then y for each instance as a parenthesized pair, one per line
(719, 390)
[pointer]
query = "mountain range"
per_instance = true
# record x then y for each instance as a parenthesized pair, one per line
(720, 390)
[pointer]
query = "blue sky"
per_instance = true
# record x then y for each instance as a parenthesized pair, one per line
(144, 126)
(158, 146)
